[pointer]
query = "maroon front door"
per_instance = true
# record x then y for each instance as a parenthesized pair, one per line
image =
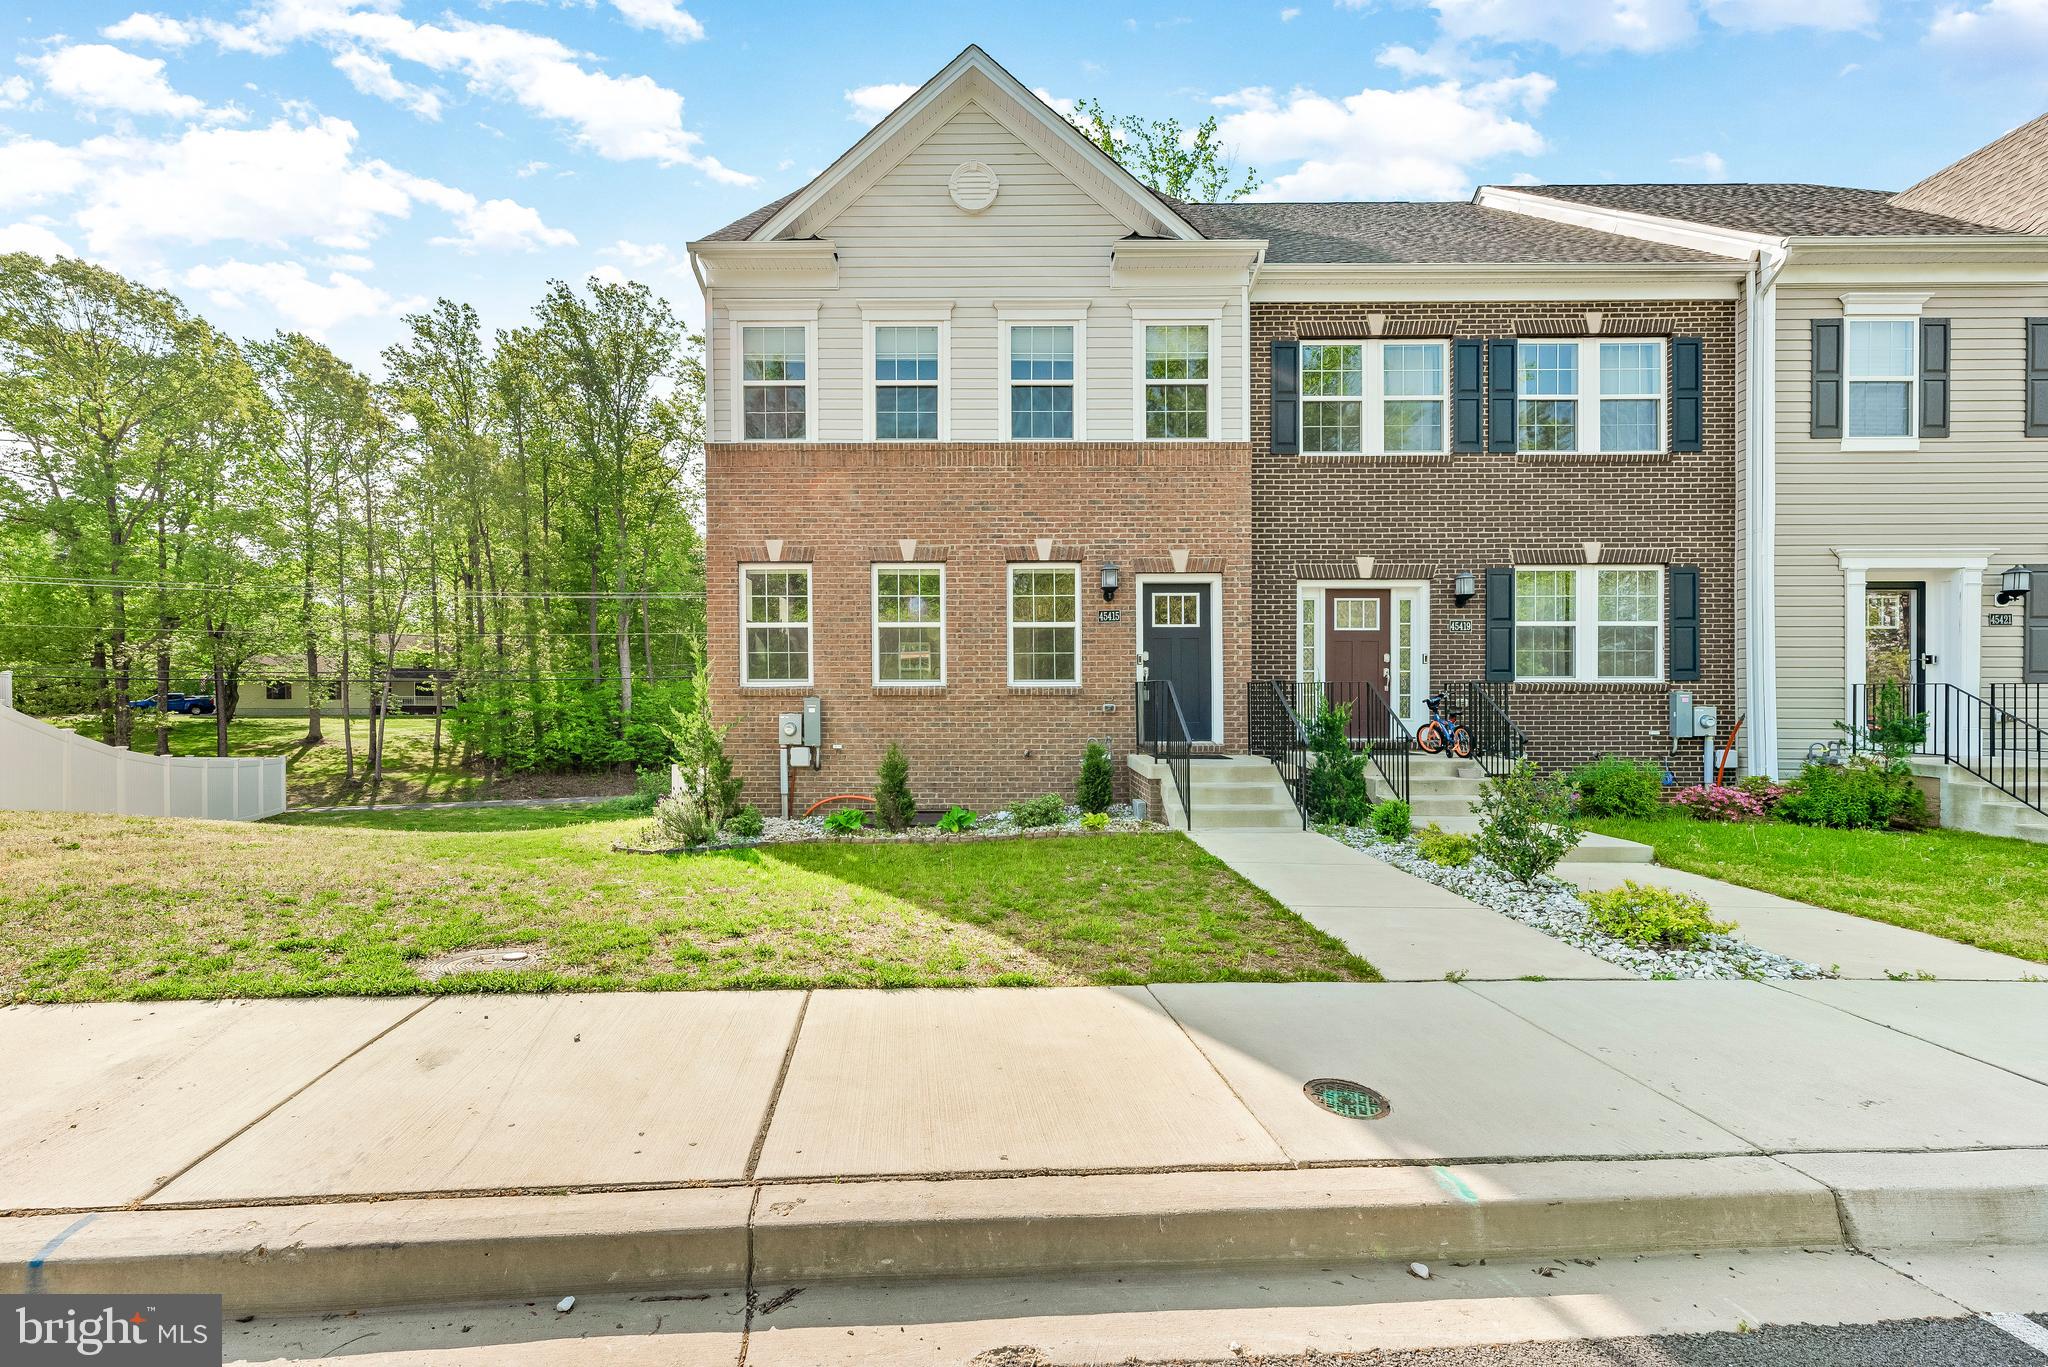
(1358, 651)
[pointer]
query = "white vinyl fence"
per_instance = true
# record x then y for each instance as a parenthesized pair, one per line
(44, 768)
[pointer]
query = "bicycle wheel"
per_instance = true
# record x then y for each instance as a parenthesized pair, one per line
(1430, 739)
(1461, 743)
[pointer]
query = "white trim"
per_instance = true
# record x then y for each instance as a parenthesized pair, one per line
(1876, 308)
(1674, 232)
(932, 316)
(741, 316)
(1313, 282)
(875, 623)
(1586, 622)
(1075, 316)
(809, 625)
(1153, 313)
(1589, 399)
(1760, 530)
(1952, 605)
(1372, 397)
(1010, 573)
(1872, 304)
(1216, 618)
(1415, 590)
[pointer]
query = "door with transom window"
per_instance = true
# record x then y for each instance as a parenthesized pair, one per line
(1180, 645)
(1358, 656)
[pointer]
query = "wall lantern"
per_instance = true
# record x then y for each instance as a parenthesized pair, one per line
(1464, 586)
(1110, 578)
(2016, 582)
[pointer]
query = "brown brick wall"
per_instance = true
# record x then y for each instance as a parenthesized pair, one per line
(976, 740)
(1469, 512)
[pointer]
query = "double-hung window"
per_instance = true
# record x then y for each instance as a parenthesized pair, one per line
(1595, 396)
(1042, 381)
(1372, 397)
(906, 382)
(1882, 370)
(910, 624)
(1590, 624)
(774, 385)
(1177, 381)
(775, 624)
(1045, 625)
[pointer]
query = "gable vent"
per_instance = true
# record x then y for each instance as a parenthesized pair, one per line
(973, 186)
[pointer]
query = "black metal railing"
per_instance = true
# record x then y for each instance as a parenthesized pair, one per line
(2005, 749)
(2027, 702)
(1163, 734)
(1497, 743)
(1274, 730)
(1277, 716)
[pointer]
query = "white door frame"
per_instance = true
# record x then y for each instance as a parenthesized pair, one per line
(1414, 590)
(1953, 604)
(1215, 585)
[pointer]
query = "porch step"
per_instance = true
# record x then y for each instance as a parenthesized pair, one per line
(1214, 793)
(1246, 818)
(1438, 809)
(1968, 803)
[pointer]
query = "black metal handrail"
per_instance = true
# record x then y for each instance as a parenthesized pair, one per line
(1497, 743)
(2004, 749)
(1277, 729)
(1274, 730)
(1163, 732)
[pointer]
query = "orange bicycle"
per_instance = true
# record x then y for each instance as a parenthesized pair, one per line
(1443, 731)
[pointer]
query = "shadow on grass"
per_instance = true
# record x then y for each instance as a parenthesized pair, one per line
(473, 820)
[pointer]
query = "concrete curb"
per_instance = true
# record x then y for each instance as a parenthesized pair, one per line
(1936, 1200)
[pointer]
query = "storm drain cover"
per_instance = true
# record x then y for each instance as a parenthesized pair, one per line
(1352, 1100)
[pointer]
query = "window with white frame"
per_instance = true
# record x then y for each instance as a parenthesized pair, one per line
(1594, 624)
(1376, 397)
(1172, 608)
(910, 624)
(774, 395)
(775, 624)
(1307, 637)
(1045, 624)
(1590, 396)
(906, 382)
(1042, 381)
(1177, 381)
(1880, 368)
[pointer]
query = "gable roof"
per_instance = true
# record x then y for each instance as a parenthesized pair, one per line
(1421, 233)
(1785, 209)
(740, 229)
(2004, 183)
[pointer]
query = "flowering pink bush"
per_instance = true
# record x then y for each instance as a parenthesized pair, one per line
(1719, 802)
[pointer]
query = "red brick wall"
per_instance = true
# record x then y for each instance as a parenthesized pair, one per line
(1469, 512)
(843, 506)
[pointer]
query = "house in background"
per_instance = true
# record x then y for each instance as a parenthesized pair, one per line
(277, 687)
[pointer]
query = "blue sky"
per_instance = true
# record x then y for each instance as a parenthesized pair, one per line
(328, 164)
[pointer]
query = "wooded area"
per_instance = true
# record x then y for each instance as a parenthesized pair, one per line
(182, 512)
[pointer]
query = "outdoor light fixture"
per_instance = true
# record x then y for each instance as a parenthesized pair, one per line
(2015, 583)
(1110, 579)
(1464, 586)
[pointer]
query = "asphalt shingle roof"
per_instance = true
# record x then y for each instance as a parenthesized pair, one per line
(2004, 183)
(740, 229)
(1456, 233)
(1776, 209)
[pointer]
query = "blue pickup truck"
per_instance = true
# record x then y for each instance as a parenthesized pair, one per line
(184, 704)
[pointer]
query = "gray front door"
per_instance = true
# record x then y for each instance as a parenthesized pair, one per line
(1178, 646)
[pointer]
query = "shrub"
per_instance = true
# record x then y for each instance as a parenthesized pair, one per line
(1860, 795)
(957, 821)
(1095, 791)
(681, 819)
(1336, 788)
(746, 823)
(1764, 789)
(1049, 810)
(1392, 820)
(1652, 917)
(699, 746)
(846, 821)
(895, 808)
(650, 785)
(1526, 822)
(1613, 786)
(1446, 849)
(1095, 821)
(1719, 802)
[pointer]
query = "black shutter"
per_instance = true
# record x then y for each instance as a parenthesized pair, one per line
(1686, 394)
(1827, 377)
(1934, 377)
(1468, 395)
(1286, 398)
(1500, 623)
(2037, 377)
(1500, 394)
(1684, 630)
(2035, 624)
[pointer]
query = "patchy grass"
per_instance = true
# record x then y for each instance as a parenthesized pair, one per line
(317, 775)
(1978, 889)
(96, 908)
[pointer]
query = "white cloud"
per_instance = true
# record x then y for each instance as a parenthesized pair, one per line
(32, 170)
(665, 17)
(1439, 60)
(1997, 36)
(1061, 104)
(156, 29)
(1419, 143)
(1570, 25)
(527, 169)
(1289, 15)
(373, 76)
(502, 225)
(873, 103)
(96, 76)
(640, 255)
(1768, 16)
(33, 238)
(1707, 165)
(14, 92)
(310, 305)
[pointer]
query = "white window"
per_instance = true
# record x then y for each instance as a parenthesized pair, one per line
(1590, 396)
(1042, 389)
(1176, 609)
(1373, 397)
(1307, 637)
(1176, 381)
(774, 370)
(910, 624)
(775, 624)
(1590, 625)
(1045, 625)
(1355, 614)
(1882, 371)
(906, 382)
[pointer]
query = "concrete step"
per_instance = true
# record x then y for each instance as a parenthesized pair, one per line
(1427, 809)
(1231, 768)
(1267, 818)
(1238, 794)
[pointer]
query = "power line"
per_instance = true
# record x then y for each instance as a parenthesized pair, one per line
(187, 586)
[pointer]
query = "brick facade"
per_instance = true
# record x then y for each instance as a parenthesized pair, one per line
(1435, 516)
(976, 740)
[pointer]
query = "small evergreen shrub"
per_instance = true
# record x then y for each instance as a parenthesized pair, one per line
(1336, 786)
(1652, 917)
(1526, 822)
(681, 819)
(846, 821)
(957, 821)
(1613, 786)
(746, 823)
(1095, 792)
(699, 745)
(895, 808)
(1049, 810)
(1446, 849)
(650, 785)
(1860, 795)
(1095, 821)
(1392, 820)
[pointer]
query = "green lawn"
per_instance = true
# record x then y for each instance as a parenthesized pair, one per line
(96, 908)
(1979, 889)
(317, 775)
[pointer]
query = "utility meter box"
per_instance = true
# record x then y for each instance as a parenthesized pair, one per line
(802, 728)
(814, 721)
(1681, 716)
(1706, 721)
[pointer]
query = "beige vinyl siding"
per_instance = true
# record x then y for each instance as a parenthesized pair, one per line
(1044, 239)
(1983, 488)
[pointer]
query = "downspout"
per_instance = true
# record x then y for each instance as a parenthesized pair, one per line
(1760, 533)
